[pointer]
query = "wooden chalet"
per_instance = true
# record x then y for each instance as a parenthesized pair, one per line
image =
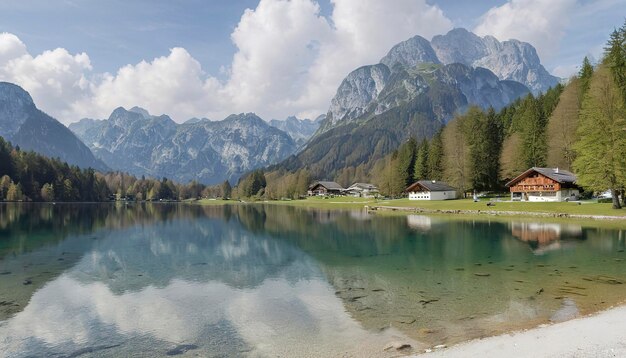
(325, 188)
(430, 190)
(544, 184)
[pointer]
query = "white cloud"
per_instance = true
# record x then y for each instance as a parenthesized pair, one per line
(55, 78)
(173, 84)
(11, 47)
(290, 60)
(566, 71)
(539, 22)
(363, 32)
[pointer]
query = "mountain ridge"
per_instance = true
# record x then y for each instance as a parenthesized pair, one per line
(207, 151)
(26, 126)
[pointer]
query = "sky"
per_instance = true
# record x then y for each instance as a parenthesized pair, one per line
(211, 58)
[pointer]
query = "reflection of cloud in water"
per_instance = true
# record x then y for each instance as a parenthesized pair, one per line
(207, 283)
(276, 318)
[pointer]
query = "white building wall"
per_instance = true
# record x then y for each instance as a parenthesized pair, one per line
(562, 195)
(435, 195)
(420, 195)
(443, 195)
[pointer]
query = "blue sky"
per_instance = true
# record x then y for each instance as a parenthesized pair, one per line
(199, 42)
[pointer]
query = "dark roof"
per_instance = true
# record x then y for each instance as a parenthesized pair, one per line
(365, 186)
(559, 175)
(329, 185)
(431, 185)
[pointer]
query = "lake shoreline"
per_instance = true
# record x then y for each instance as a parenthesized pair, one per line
(506, 213)
(601, 334)
(382, 207)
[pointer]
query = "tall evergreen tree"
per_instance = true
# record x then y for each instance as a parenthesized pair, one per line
(435, 157)
(615, 58)
(226, 189)
(585, 73)
(422, 167)
(406, 162)
(533, 133)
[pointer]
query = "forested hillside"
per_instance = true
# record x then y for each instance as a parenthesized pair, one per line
(580, 126)
(28, 176)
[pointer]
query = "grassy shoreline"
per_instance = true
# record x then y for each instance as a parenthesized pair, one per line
(583, 210)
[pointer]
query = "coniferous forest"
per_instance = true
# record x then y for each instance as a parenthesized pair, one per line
(28, 176)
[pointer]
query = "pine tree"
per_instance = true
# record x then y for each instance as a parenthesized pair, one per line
(456, 154)
(226, 189)
(534, 145)
(406, 162)
(615, 59)
(585, 73)
(422, 168)
(435, 157)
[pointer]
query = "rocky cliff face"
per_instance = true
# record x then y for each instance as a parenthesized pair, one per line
(361, 96)
(356, 92)
(488, 73)
(300, 130)
(411, 52)
(31, 129)
(509, 60)
(202, 150)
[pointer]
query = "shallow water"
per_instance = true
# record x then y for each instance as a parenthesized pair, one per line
(254, 280)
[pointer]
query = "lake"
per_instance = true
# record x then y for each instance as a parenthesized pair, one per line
(255, 280)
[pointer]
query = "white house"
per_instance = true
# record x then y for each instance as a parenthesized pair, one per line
(430, 190)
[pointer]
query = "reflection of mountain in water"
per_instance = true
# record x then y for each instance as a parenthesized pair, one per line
(271, 278)
(199, 250)
(543, 237)
(218, 284)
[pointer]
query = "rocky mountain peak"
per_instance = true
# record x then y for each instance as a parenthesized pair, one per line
(15, 94)
(25, 125)
(141, 111)
(410, 52)
(123, 117)
(403, 74)
(510, 60)
(15, 102)
(459, 46)
(300, 130)
(251, 118)
(356, 91)
(203, 150)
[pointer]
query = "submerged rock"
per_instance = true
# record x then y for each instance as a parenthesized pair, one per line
(568, 311)
(399, 346)
(183, 348)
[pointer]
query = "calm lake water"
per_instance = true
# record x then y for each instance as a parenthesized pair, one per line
(253, 280)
